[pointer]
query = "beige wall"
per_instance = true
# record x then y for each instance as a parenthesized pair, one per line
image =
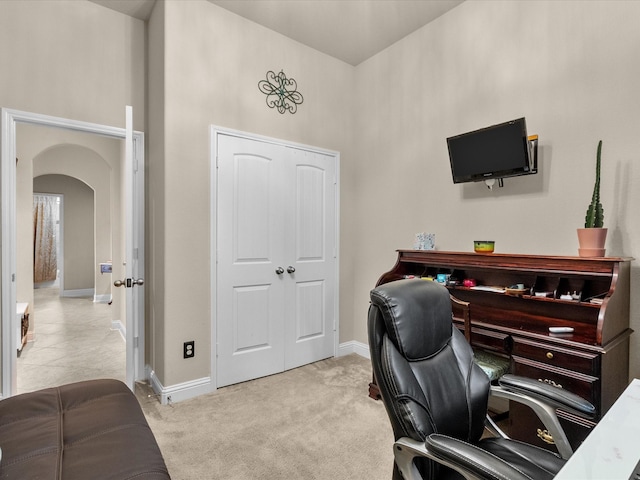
(212, 63)
(78, 218)
(155, 196)
(72, 59)
(569, 67)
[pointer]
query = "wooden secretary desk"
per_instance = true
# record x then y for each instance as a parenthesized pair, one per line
(590, 295)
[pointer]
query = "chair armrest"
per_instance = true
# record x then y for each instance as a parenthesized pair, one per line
(553, 395)
(470, 461)
(543, 399)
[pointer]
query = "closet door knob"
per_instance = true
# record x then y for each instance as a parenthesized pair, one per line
(279, 270)
(290, 269)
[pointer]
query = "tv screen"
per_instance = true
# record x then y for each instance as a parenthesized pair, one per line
(493, 152)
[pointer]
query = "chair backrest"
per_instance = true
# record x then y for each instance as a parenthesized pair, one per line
(423, 365)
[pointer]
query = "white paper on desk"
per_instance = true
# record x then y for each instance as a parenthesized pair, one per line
(485, 288)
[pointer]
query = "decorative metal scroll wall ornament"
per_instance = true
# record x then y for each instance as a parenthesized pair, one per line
(281, 92)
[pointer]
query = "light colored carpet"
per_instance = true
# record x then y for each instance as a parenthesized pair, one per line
(313, 422)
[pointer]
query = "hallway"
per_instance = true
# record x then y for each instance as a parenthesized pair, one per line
(73, 342)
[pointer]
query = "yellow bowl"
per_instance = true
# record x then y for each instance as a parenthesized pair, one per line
(483, 246)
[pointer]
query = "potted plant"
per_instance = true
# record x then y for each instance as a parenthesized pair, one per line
(593, 236)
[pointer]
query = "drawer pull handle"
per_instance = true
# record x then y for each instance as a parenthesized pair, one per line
(549, 355)
(550, 382)
(545, 436)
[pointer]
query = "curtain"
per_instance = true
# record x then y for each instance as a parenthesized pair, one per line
(45, 258)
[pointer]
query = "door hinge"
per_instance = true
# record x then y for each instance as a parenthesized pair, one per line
(135, 342)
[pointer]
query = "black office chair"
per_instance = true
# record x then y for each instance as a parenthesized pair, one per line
(436, 396)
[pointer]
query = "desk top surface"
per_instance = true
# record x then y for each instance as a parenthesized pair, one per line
(611, 449)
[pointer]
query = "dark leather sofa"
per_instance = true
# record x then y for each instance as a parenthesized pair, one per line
(91, 430)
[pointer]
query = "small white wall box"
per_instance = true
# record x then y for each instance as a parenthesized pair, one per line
(106, 267)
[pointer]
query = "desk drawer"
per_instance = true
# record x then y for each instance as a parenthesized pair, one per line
(583, 362)
(586, 386)
(525, 426)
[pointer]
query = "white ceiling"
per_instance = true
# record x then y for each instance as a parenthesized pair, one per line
(349, 30)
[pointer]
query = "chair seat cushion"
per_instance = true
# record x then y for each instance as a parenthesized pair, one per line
(493, 365)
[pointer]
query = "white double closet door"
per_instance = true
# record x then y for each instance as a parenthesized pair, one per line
(276, 257)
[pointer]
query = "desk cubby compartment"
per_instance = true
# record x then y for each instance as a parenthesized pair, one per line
(427, 271)
(572, 287)
(583, 290)
(545, 286)
(458, 276)
(595, 288)
(557, 287)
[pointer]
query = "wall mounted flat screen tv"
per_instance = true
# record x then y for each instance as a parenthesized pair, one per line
(497, 151)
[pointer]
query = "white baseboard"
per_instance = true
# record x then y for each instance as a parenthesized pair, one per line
(358, 348)
(84, 292)
(180, 391)
(201, 386)
(102, 298)
(119, 326)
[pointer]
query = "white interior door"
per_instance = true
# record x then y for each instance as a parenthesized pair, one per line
(310, 248)
(134, 250)
(250, 294)
(275, 293)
